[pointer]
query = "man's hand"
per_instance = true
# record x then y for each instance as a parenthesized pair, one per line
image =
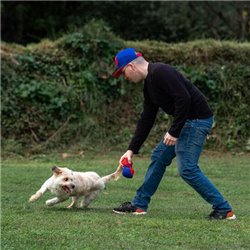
(129, 154)
(169, 139)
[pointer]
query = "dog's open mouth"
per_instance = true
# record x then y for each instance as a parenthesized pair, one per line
(66, 189)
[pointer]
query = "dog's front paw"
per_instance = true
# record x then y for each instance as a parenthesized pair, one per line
(34, 197)
(49, 203)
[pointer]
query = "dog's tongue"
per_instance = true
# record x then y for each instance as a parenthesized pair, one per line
(66, 189)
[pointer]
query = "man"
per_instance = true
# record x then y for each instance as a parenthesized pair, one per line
(166, 88)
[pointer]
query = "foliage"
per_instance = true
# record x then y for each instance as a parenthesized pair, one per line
(59, 93)
(49, 85)
(169, 21)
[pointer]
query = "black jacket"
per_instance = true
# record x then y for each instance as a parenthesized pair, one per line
(166, 88)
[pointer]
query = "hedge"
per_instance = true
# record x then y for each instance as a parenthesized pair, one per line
(60, 93)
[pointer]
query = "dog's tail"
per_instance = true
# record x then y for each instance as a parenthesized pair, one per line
(115, 176)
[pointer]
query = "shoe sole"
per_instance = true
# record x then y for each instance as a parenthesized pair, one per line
(231, 217)
(135, 213)
(139, 213)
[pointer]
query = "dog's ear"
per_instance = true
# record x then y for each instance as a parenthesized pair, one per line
(56, 170)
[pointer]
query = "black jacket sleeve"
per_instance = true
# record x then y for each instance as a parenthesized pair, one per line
(144, 124)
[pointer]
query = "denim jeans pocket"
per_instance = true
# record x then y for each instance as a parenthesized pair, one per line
(183, 139)
(200, 135)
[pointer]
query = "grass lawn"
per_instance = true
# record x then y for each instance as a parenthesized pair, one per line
(176, 218)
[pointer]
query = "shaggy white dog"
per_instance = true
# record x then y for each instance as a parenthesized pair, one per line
(65, 183)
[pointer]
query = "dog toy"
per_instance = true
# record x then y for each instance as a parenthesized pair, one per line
(127, 168)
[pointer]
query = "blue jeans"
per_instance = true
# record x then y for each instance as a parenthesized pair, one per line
(187, 151)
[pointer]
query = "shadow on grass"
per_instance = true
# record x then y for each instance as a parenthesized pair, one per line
(80, 210)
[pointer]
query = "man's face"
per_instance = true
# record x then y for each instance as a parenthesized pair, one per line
(130, 72)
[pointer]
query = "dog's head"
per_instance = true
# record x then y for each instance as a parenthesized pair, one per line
(64, 179)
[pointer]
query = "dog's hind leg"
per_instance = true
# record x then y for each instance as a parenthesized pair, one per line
(54, 201)
(88, 198)
(74, 202)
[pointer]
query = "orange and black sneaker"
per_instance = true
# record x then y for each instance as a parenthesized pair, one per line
(127, 207)
(219, 215)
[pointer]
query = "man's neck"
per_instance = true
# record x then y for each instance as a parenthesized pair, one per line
(145, 70)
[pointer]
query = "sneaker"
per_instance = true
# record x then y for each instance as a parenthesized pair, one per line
(217, 215)
(127, 207)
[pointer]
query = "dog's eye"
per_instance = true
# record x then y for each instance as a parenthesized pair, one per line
(66, 179)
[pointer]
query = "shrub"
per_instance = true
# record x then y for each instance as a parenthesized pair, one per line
(59, 93)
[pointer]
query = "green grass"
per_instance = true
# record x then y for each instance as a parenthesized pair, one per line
(176, 218)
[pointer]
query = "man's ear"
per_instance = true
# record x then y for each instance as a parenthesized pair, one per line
(56, 170)
(132, 65)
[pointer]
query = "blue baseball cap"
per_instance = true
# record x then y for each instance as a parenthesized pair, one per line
(123, 58)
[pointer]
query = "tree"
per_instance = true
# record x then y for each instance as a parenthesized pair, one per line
(25, 22)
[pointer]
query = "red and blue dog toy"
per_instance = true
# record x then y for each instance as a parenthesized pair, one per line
(127, 168)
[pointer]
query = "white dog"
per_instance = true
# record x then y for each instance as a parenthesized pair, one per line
(65, 183)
